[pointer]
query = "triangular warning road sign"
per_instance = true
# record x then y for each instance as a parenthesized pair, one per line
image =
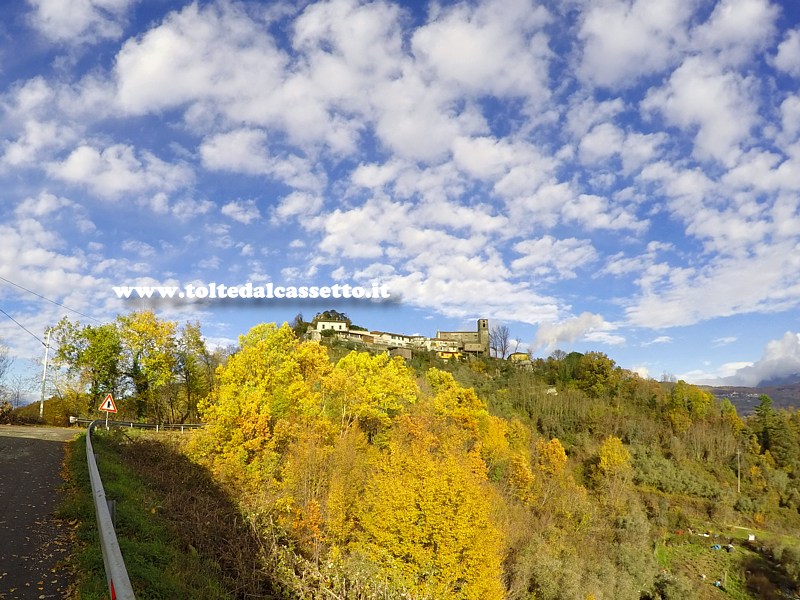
(108, 404)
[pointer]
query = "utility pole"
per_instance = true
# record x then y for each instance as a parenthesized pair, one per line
(44, 373)
(738, 473)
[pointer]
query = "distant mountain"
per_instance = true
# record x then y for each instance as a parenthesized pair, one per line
(781, 381)
(785, 393)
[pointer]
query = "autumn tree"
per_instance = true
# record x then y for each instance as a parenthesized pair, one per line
(368, 390)
(426, 519)
(453, 400)
(271, 376)
(148, 359)
(614, 466)
(153, 370)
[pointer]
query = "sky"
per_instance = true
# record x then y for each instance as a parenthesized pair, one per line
(619, 176)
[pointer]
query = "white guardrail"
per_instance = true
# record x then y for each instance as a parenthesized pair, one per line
(119, 584)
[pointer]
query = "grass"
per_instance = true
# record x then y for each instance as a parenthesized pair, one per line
(159, 562)
(746, 573)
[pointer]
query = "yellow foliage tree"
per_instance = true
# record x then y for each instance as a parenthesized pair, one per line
(521, 479)
(452, 400)
(350, 464)
(272, 375)
(495, 447)
(425, 519)
(149, 357)
(368, 390)
(614, 458)
(555, 493)
(614, 467)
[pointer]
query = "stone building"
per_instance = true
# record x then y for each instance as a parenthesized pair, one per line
(475, 342)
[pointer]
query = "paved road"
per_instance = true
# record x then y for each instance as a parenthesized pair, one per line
(32, 542)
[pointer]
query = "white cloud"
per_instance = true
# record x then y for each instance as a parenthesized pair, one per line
(603, 141)
(737, 29)
(788, 57)
(625, 40)
(72, 21)
(550, 258)
(243, 211)
(549, 336)
(781, 358)
(453, 289)
(188, 208)
(36, 138)
(199, 54)
(790, 116)
(662, 339)
(141, 249)
(767, 280)
(716, 103)
(246, 151)
(242, 151)
(495, 46)
(489, 158)
(41, 206)
(116, 171)
(297, 205)
(595, 212)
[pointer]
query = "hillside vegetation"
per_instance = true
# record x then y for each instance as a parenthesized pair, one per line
(369, 477)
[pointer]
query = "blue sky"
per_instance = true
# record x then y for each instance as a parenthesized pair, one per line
(611, 175)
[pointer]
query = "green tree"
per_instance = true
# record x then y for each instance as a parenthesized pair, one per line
(597, 375)
(94, 355)
(193, 370)
(331, 315)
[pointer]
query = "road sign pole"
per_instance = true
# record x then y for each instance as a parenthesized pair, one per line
(108, 406)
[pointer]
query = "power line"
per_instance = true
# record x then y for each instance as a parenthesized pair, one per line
(49, 300)
(23, 326)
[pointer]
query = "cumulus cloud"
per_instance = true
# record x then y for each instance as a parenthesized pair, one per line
(297, 205)
(781, 359)
(119, 170)
(549, 336)
(548, 257)
(41, 206)
(717, 103)
(737, 29)
(243, 211)
(788, 57)
(627, 40)
(72, 21)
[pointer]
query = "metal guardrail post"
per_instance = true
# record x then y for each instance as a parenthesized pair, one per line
(119, 584)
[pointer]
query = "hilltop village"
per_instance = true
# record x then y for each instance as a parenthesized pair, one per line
(446, 344)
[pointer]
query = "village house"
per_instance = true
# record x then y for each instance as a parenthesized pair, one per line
(397, 340)
(447, 344)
